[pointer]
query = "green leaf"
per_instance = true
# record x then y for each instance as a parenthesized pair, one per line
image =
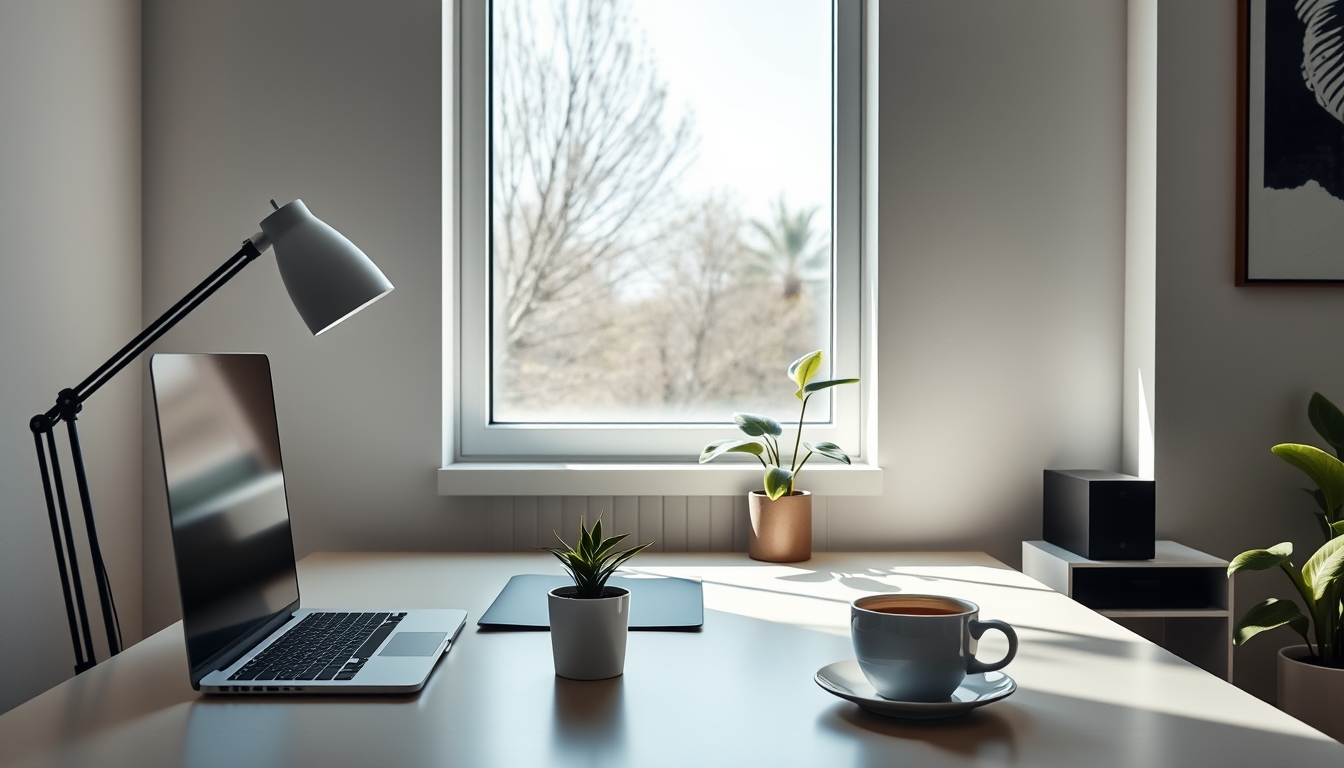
(1261, 559)
(1336, 529)
(817, 386)
(1323, 469)
(829, 450)
(588, 538)
(777, 482)
(1271, 614)
(804, 368)
(1317, 562)
(720, 447)
(1327, 420)
(755, 425)
(621, 558)
(607, 545)
(1325, 568)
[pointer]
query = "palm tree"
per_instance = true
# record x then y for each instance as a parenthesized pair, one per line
(794, 253)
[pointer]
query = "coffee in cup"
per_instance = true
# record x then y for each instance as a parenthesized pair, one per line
(920, 647)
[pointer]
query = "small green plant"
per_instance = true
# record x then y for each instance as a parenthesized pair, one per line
(593, 561)
(1320, 582)
(779, 481)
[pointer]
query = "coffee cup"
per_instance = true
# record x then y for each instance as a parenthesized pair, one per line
(921, 647)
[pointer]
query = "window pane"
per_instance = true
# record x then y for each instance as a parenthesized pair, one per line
(661, 184)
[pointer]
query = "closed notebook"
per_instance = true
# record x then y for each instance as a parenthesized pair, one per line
(656, 602)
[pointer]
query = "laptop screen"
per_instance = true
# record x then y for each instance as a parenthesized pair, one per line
(226, 500)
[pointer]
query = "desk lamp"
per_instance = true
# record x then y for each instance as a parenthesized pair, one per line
(327, 278)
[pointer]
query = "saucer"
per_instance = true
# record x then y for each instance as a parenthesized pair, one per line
(846, 680)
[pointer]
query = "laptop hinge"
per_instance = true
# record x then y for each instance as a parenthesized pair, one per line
(239, 648)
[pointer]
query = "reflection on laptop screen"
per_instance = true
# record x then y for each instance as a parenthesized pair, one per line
(226, 497)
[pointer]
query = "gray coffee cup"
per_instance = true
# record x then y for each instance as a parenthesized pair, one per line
(920, 647)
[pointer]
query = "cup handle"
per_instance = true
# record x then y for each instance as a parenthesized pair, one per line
(975, 666)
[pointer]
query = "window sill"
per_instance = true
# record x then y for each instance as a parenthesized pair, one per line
(578, 479)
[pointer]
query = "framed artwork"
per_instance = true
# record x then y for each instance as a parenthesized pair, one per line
(1290, 169)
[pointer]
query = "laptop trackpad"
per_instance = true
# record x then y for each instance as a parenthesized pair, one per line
(414, 644)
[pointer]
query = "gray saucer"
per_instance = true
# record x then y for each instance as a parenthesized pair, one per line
(846, 680)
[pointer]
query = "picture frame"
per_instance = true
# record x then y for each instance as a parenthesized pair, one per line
(1290, 144)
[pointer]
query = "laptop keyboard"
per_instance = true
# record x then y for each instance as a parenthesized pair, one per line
(323, 646)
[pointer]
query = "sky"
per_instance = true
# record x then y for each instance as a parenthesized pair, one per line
(756, 74)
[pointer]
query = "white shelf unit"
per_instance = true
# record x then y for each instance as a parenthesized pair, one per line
(1181, 599)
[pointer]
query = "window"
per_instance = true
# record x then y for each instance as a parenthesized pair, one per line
(658, 208)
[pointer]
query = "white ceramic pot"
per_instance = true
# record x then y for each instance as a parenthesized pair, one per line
(588, 635)
(1312, 694)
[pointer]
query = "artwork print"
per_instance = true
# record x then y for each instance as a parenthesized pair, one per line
(1293, 174)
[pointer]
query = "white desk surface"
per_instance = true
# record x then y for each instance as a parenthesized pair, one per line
(738, 693)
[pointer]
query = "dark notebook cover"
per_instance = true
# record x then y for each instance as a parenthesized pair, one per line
(656, 602)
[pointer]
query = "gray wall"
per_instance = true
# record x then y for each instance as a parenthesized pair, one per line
(1236, 366)
(336, 103)
(1002, 266)
(69, 297)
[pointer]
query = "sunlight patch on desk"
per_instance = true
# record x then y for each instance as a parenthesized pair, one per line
(1184, 691)
(1080, 655)
(818, 598)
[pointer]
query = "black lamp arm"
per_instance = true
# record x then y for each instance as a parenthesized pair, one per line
(69, 402)
(136, 346)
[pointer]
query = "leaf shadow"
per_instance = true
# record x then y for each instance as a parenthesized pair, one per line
(861, 583)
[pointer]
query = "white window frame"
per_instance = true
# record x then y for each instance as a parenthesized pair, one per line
(479, 457)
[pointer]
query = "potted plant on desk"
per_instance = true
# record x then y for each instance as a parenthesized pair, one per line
(589, 620)
(1311, 676)
(781, 515)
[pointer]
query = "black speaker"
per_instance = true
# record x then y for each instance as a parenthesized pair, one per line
(1100, 515)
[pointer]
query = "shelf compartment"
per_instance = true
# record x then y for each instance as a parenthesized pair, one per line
(1152, 588)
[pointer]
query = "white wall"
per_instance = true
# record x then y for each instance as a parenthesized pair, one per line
(1139, 380)
(69, 297)
(336, 103)
(1002, 263)
(1236, 365)
(1002, 161)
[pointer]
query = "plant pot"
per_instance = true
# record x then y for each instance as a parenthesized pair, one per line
(588, 635)
(781, 530)
(1311, 693)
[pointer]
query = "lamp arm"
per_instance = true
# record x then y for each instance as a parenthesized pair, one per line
(136, 346)
(69, 402)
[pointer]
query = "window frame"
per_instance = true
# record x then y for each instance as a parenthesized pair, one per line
(469, 438)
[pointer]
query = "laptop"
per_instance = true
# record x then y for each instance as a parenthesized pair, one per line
(245, 631)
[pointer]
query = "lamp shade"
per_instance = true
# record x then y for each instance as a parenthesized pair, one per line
(327, 277)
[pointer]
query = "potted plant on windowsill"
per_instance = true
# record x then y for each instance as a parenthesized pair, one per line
(1311, 676)
(781, 515)
(589, 620)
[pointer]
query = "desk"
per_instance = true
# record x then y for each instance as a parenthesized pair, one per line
(738, 693)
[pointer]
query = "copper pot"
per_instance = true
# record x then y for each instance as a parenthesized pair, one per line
(781, 530)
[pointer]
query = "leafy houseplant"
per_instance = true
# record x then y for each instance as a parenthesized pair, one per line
(589, 620)
(781, 515)
(1311, 676)
(1320, 582)
(778, 480)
